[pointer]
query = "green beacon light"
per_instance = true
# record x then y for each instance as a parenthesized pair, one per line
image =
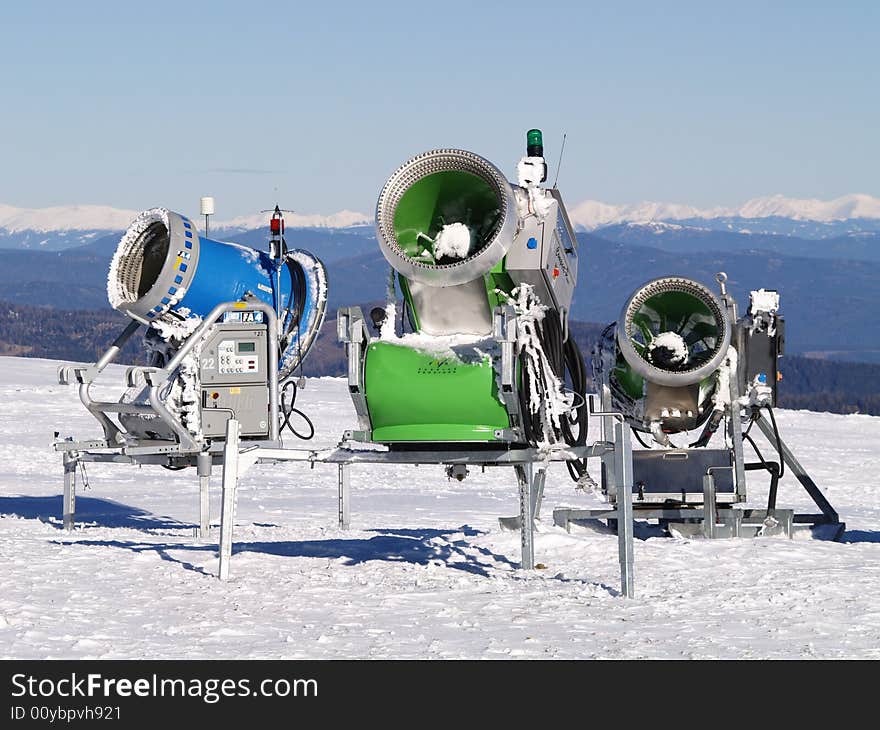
(534, 143)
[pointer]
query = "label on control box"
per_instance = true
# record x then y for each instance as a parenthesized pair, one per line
(237, 356)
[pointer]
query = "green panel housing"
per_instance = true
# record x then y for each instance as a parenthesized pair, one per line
(418, 396)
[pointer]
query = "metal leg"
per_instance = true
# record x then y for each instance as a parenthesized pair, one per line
(69, 509)
(230, 482)
(526, 516)
(709, 510)
(344, 497)
(203, 466)
(608, 433)
(623, 471)
(538, 491)
(734, 432)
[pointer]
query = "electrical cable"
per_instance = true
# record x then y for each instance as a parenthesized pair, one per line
(770, 466)
(565, 359)
(287, 410)
(639, 438)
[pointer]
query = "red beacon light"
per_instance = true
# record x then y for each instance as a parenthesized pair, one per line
(277, 248)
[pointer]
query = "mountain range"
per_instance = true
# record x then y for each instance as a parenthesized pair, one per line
(60, 227)
(61, 263)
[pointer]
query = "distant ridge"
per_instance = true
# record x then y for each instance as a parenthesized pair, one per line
(68, 218)
(588, 215)
(591, 214)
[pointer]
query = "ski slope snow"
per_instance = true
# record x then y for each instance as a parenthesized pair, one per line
(424, 571)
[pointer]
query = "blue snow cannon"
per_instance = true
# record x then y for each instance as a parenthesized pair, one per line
(164, 270)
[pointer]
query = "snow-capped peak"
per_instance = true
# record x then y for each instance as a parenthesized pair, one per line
(104, 218)
(342, 219)
(855, 205)
(592, 214)
(588, 215)
(65, 218)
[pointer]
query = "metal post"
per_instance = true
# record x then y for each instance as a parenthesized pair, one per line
(203, 467)
(230, 482)
(608, 432)
(526, 516)
(734, 431)
(709, 511)
(623, 471)
(69, 508)
(344, 497)
(538, 491)
(734, 425)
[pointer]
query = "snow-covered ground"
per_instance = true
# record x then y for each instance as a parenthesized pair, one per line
(424, 571)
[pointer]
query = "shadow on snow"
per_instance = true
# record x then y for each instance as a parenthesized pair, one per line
(414, 546)
(89, 510)
(854, 536)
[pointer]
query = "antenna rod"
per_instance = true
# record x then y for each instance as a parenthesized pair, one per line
(559, 164)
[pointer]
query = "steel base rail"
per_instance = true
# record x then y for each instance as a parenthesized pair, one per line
(236, 457)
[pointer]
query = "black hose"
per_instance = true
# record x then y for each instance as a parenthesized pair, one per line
(287, 410)
(295, 304)
(770, 466)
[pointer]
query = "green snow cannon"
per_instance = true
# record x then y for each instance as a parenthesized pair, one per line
(459, 238)
(661, 359)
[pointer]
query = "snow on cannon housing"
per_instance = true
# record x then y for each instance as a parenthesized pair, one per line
(167, 276)
(471, 253)
(164, 272)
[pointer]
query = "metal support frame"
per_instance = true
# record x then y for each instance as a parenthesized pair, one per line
(118, 447)
(157, 380)
(734, 430)
(352, 333)
(538, 491)
(230, 484)
(526, 515)
(829, 515)
(204, 467)
(623, 471)
(709, 512)
(713, 520)
(505, 327)
(70, 462)
(236, 457)
(344, 497)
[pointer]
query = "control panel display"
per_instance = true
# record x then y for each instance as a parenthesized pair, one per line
(240, 359)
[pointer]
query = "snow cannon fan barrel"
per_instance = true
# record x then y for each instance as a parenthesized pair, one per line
(673, 332)
(672, 336)
(163, 269)
(456, 231)
(445, 217)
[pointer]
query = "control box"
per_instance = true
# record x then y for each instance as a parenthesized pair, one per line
(544, 254)
(234, 379)
(760, 337)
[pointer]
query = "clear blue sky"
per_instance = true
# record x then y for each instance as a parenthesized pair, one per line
(139, 104)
